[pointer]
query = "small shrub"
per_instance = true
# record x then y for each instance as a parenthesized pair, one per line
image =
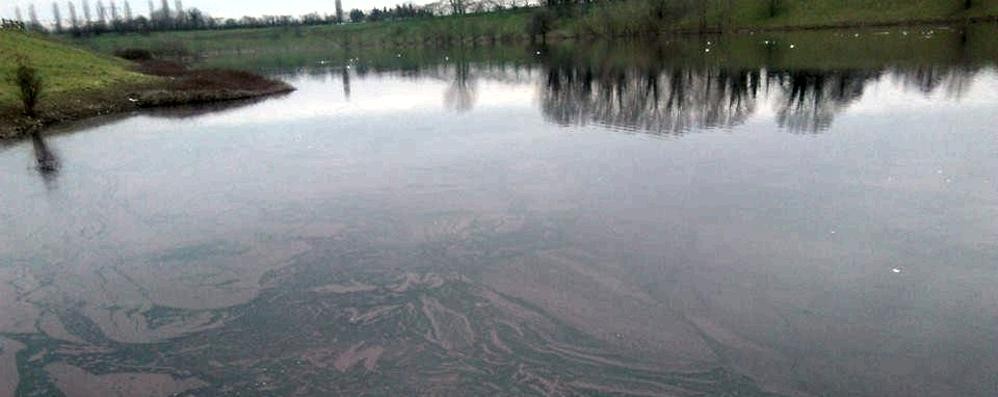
(29, 85)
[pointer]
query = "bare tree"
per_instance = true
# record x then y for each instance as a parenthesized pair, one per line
(35, 25)
(115, 18)
(57, 16)
(17, 13)
(165, 9)
(457, 7)
(73, 20)
(128, 12)
(101, 14)
(86, 13)
(339, 11)
(181, 16)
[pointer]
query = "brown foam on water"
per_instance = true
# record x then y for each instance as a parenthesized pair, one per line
(368, 355)
(19, 314)
(79, 383)
(8, 366)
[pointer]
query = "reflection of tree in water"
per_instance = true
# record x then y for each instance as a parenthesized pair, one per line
(346, 82)
(47, 163)
(811, 98)
(666, 90)
(655, 101)
(463, 91)
(675, 100)
(953, 80)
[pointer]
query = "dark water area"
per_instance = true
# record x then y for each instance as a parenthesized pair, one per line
(795, 214)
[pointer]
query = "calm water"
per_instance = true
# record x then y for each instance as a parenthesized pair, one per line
(756, 219)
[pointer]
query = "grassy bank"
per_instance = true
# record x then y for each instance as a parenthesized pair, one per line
(67, 71)
(79, 84)
(609, 19)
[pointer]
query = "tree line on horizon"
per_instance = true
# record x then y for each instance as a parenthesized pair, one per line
(115, 17)
(103, 18)
(588, 17)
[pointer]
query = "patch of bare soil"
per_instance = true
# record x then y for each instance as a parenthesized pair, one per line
(160, 68)
(185, 86)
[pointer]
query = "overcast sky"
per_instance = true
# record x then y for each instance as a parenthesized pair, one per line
(216, 8)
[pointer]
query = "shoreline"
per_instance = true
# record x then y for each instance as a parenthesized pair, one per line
(175, 86)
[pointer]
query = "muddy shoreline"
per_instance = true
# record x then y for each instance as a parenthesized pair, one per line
(175, 85)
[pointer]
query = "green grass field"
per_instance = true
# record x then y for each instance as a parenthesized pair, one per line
(65, 70)
(508, 25)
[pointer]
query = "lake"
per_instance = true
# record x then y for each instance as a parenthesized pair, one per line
(778, 214)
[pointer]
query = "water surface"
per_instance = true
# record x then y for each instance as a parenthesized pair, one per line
(792, 214)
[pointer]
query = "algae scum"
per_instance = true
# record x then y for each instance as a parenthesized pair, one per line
(605, 219)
